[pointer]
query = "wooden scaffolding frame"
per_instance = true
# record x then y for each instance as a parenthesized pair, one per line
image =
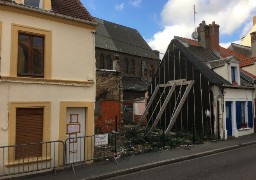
(178, 105)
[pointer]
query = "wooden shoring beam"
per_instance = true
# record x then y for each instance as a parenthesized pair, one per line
(178, 109)
(172, 89)
(177, 82)
(156, 105)
(148, 106)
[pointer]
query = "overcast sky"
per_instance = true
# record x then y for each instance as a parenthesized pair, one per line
(159, 21)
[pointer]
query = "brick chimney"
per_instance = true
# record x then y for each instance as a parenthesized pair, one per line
(253, 41)
(214, 37)
(208, 36)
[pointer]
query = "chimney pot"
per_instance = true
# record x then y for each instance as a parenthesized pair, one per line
(209, 36)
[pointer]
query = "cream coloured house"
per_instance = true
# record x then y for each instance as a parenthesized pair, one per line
(47, 74)
(246, 40)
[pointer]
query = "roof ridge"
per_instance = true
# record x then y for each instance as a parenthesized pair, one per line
(116, 23)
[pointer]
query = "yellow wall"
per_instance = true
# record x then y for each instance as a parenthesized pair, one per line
(12, 125)
(251, 69)
(0, 40)
(246, 40)
(70, 72)
(47, 4)
(12, 118)
(71, 48)
(89, 125)
(47, 34)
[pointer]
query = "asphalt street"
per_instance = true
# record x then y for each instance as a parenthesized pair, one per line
(235, 164)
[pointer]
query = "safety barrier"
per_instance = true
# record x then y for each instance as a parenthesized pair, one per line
(46, 156)
(28, 158)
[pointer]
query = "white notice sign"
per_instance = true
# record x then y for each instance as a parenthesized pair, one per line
(101, 139)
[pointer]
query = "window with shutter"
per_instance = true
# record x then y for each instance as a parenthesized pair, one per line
(29, 129)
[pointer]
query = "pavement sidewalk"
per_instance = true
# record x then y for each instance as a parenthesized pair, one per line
(108, 169)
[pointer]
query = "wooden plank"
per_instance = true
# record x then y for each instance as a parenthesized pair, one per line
(177, 111)
(163, 107)
(177, 82)
(148, 106)
(156, 105)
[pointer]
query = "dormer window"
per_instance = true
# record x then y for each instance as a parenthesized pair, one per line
(33, 3)
(234, 74)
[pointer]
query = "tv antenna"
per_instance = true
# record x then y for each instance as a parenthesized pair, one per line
(195, 33)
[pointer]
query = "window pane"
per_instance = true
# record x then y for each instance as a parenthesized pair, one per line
(109, 63)
(34, 3)
(38, 56)
(233, 74)
(23, 54)
(102, 62)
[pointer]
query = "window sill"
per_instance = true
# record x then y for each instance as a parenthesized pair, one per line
(27, 161)
(244, 129)
(27, 80)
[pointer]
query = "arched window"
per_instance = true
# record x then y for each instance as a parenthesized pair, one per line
(109, 62)
(102, 62)
(133, 66)
(126, 63)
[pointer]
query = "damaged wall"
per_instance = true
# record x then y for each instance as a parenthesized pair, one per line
(109, 95)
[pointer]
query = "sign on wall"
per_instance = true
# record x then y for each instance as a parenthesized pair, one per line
(101, 139)
(73, 128)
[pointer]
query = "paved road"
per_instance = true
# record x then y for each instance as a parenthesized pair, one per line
(236, 164)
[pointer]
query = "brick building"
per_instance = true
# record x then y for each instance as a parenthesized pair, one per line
(122, 49)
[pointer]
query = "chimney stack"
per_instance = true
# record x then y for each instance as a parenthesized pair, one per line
(203, 35)
(253, 41)
(214, 37)
(254, 20)
(208, 36)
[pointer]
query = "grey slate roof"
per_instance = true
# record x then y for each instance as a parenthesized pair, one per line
(246, 78)
(122, 39)
(245, 50)
(199, 62)
(134, 84)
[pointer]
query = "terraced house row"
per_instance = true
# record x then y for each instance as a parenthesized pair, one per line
(65, 75)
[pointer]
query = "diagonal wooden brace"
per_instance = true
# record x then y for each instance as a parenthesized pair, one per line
(172, 89)
(148, 106)
(178, 109)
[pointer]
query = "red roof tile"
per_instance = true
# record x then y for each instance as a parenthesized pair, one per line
(72, 8)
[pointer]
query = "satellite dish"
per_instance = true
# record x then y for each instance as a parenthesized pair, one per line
(195, 35)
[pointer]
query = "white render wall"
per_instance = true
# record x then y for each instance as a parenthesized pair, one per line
(231, 94)
(223, 71)
(73, 48)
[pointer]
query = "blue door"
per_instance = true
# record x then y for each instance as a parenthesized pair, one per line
(229, 117)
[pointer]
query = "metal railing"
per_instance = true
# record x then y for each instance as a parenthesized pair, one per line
(81, 149)
(27, 158)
